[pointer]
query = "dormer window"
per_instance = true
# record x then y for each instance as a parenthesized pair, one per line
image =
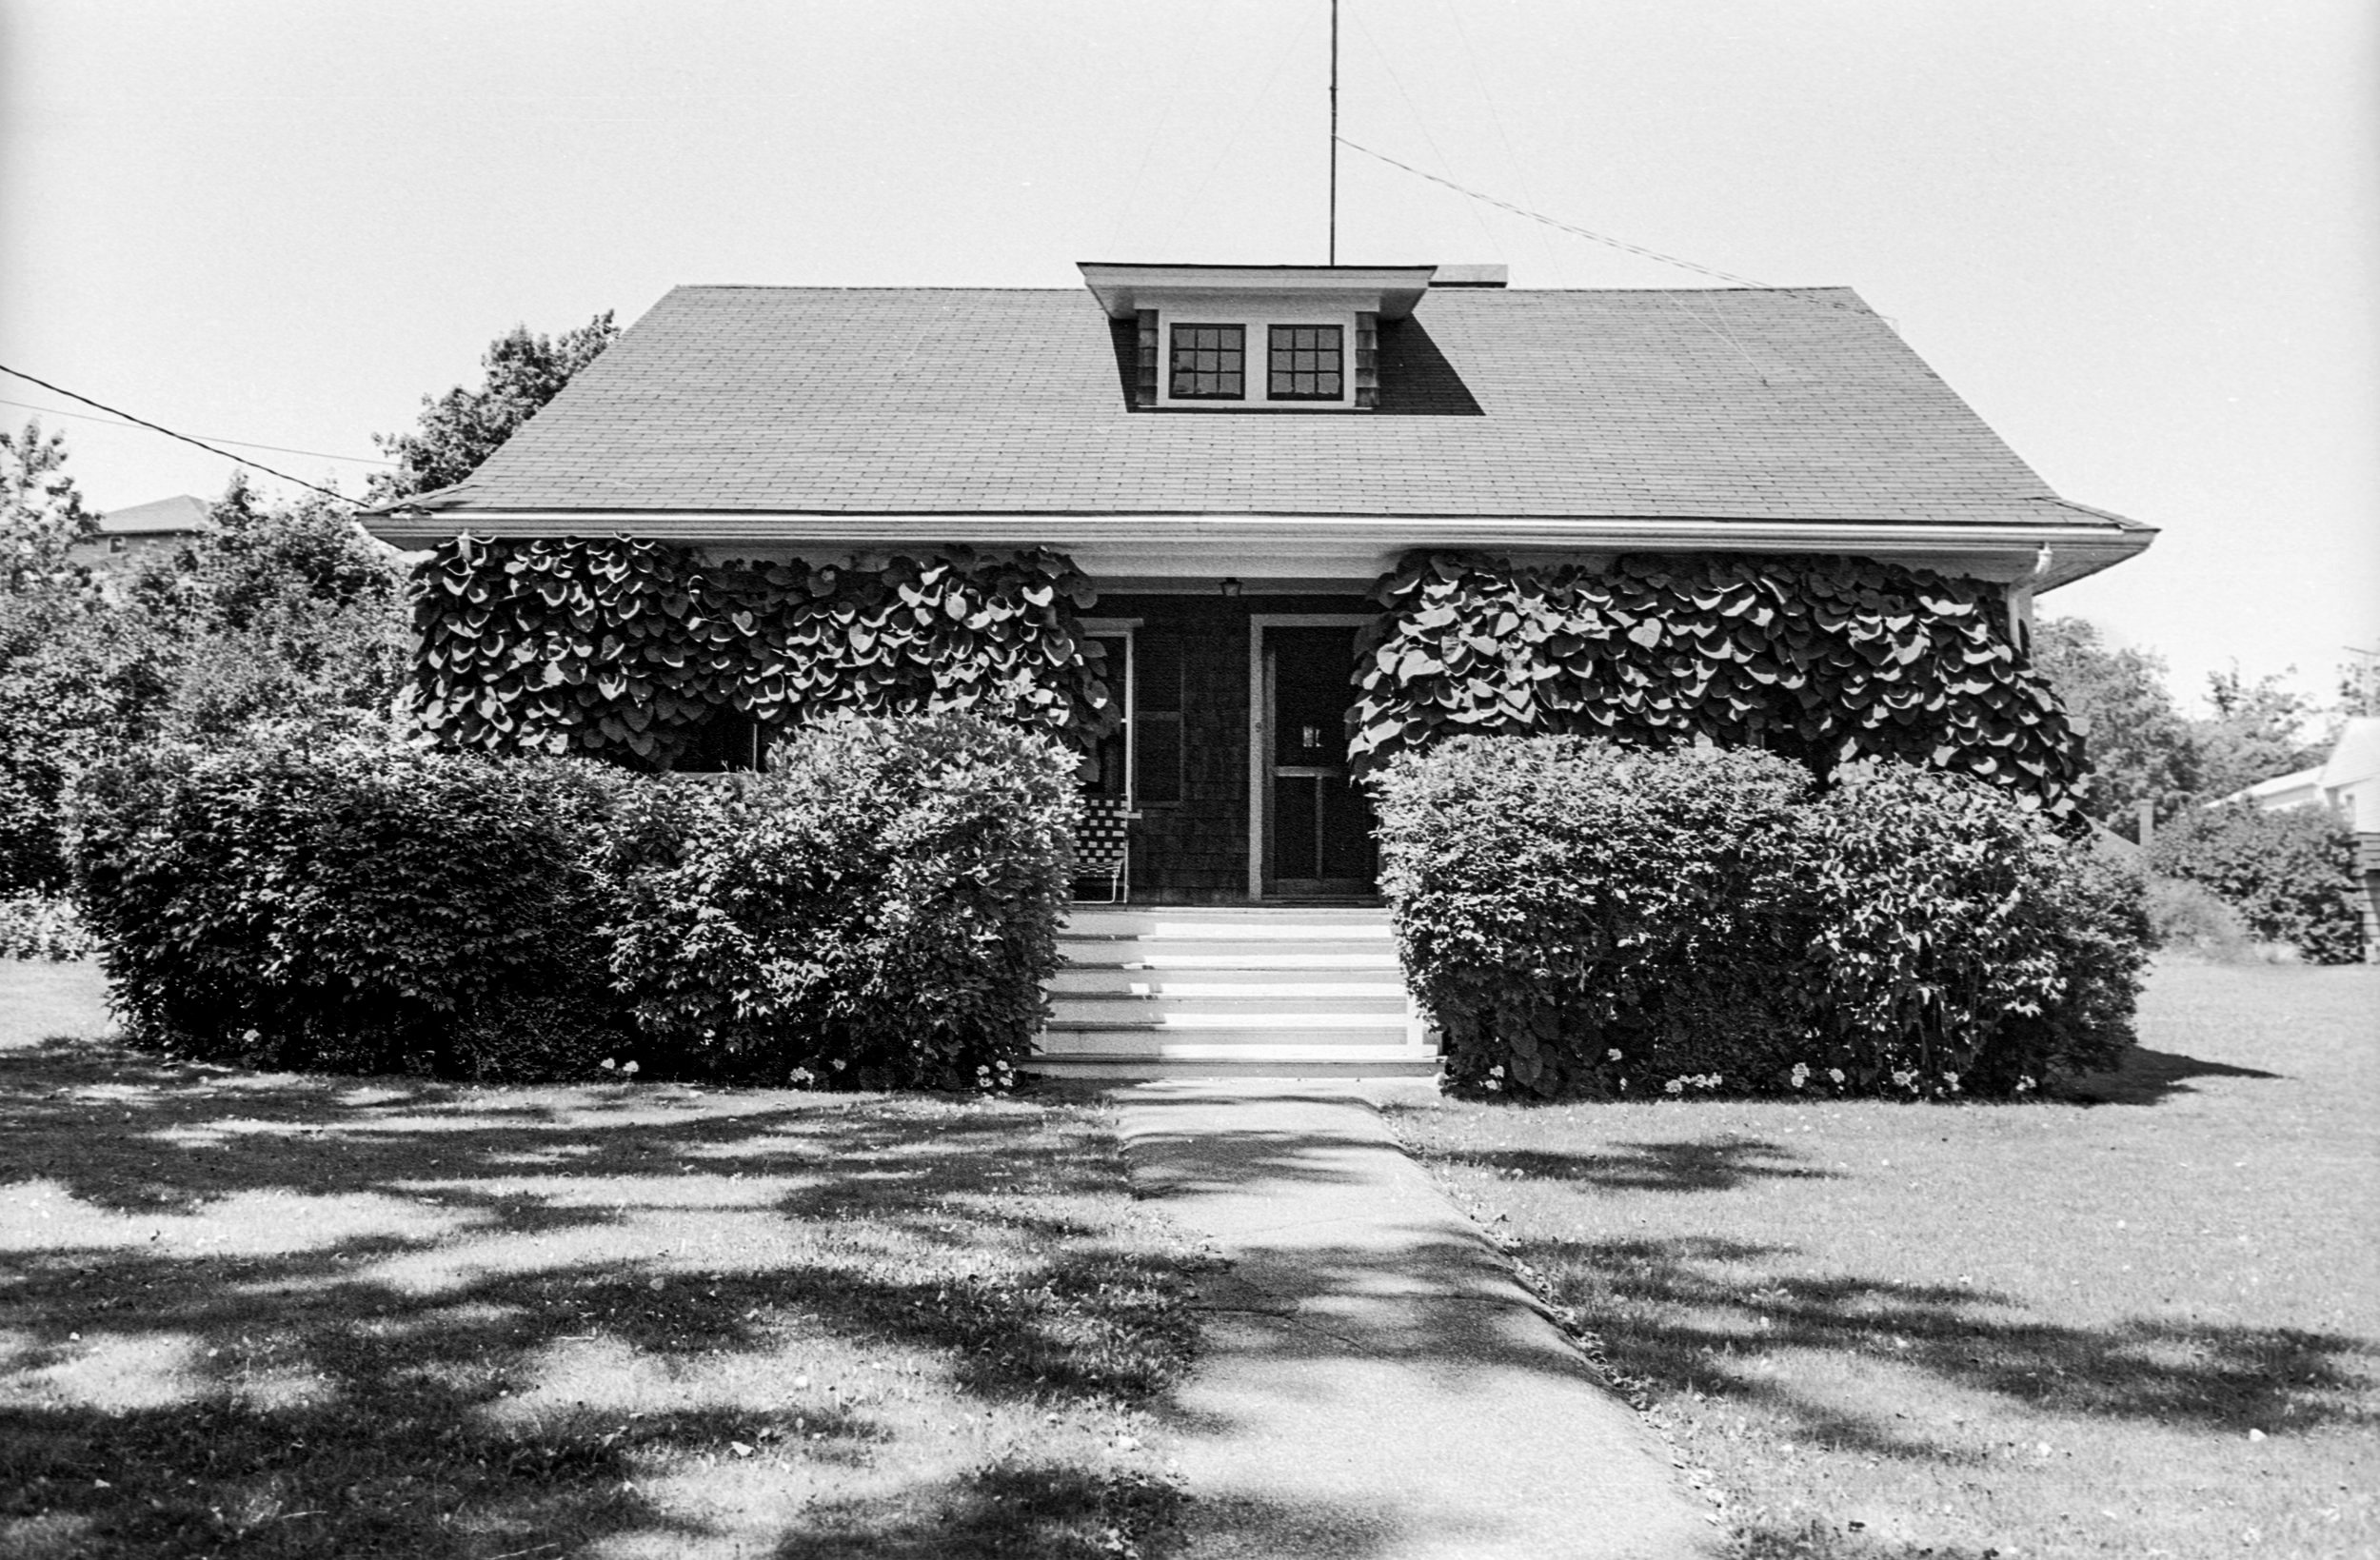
(1210, 363)
(1253, 338)
(1308, 362)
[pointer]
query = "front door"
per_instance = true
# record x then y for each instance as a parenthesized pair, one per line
(1318, 822)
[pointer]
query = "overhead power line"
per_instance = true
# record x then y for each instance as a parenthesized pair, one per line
(244, 443)
(1606, 239)
(159, 427)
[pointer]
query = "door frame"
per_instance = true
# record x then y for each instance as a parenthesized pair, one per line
(1261, 722)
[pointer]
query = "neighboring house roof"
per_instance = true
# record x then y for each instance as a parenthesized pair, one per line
(2298, 788)
(179, 515)
(2353, 758)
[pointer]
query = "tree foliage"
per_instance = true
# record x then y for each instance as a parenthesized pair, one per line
(2258, 730)
(42, 515)
(279, 614)
(2138, 742)
(460, 430)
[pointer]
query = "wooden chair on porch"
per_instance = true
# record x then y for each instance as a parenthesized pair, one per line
(1102, 845)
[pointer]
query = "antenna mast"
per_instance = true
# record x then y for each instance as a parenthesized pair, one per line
(1334, 242)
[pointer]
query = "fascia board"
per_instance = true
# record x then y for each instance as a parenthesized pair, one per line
(1265, 544)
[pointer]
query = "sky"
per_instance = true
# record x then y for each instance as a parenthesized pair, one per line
(2141, 237)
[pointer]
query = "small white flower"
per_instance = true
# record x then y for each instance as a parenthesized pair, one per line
(1835, 1073)
(630, 1069)
(1675, 1086)
(609, 1066)
(1801, 1073)
(1611, 1056)
(1952, 1078)
(1493, 1083)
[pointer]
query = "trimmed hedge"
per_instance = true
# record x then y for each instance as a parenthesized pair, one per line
(348, 906)
(1585, 918)
(2291, 875)
(879, 909)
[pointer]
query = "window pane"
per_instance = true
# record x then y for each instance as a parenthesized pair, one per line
(1307, 362)
(1209, 362)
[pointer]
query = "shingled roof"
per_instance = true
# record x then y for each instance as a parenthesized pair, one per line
(1754, 405)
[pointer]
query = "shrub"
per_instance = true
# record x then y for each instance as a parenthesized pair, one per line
(1581, 919)
(1574, 913)
(1959, 942)
(2186, 917)
(880, 909)
(38, 926)
(2290, 874)
(352, 905)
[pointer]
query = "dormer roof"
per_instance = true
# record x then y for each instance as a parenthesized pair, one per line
(1123, 289)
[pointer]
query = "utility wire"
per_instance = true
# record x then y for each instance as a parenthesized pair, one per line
(1621, 245)
(244, 443)
(159, 427)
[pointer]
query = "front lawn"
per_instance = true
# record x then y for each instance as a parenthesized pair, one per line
(269, 1315)
(2140, 1321)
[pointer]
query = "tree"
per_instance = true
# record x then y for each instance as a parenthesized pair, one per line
(2139, 745)
(2258, 731)
(41, 514)
(463, 427)
(284, 613)
(2359, 683)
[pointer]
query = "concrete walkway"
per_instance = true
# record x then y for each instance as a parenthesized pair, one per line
(1376, 1383)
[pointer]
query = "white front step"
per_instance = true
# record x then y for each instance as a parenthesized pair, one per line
(1164, 992)
(1115, 980)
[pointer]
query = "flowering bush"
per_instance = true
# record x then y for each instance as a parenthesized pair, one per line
(1584, 918)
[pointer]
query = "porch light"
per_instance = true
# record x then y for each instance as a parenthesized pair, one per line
(1231, 587)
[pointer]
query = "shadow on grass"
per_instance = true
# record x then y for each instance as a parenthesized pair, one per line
(1711, 1164)
(2150, 1078)
(1688, 1316)
(303, 1315)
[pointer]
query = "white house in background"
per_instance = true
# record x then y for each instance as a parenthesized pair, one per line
(2348, 781)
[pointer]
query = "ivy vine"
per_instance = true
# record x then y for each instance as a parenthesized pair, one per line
(627, 646)
(1824, 658)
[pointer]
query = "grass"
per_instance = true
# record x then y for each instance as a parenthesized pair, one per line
(2141, 1320)
(265, 1315)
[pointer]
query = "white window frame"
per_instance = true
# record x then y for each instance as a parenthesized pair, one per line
(1256, 323)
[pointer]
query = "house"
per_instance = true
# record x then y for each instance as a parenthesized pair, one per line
(126, 534)
(726, 514)
(2347, 783)
(1234, 455)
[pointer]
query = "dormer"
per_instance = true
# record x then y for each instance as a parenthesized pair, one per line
(1257, 338)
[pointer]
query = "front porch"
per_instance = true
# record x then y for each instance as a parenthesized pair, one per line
(1232, 759)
